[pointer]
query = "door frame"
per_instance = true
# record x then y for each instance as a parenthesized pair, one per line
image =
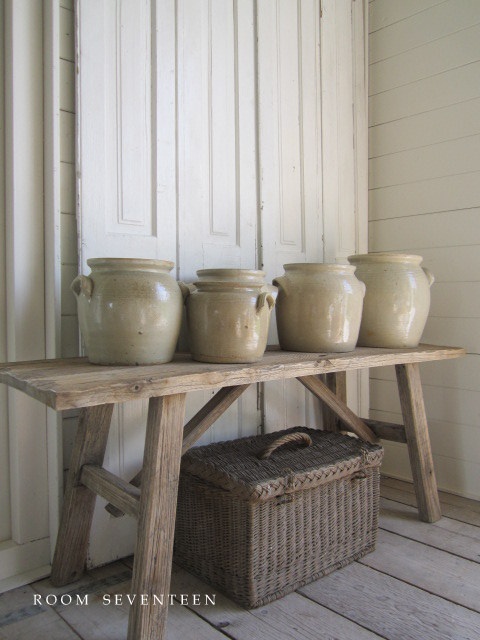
(30, 314)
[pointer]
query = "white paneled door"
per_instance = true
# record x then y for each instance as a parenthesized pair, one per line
(290, 165)
(200, 140)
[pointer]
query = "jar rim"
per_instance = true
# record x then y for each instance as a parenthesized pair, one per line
(385, 256)
(319, 266)
(218, 285)
(132, 263)
(228, 272)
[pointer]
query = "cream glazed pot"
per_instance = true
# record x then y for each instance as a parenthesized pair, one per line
(319, 307)
(129, 311)
(397, 301)
(228, 314)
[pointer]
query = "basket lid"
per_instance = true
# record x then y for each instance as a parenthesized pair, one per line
(293, 465)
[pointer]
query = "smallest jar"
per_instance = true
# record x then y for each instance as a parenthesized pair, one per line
(228, 315)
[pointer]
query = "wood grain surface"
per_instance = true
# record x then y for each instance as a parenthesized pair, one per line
(418, 440)
(156, 522)
(79, 502)
(74, 383)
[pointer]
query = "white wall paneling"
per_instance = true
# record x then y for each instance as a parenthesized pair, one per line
(445, 193)
(69, 334)
(417, 30)
(443, 54)
(290, 163)
(25, 551)
(428, 230)
(5, 520)
(344, 145)
(201, 138)
(53, 242)
(425, 198)
(216, 161)
(118, 188)
(426, 94)
(387, 13)
(193, 144)
(37, 92)
(25, 252)
(358, 383)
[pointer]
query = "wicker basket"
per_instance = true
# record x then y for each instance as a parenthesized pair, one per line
(258, 529)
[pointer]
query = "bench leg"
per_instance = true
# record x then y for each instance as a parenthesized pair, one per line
(337, 383)
(418, 441)
(79, 502)
(156, 524)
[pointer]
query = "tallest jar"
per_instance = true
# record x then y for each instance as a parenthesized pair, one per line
(397, 299)
(129, 310)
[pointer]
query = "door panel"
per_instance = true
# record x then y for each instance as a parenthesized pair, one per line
(290, 165)
(120, 214)
(202, 132)
(167, 172)
(217, 206)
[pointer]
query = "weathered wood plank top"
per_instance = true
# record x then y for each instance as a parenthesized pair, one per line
(73, 383)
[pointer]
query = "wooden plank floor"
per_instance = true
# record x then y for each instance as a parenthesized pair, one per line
(421, 583)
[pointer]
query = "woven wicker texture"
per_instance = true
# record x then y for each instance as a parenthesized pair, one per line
(236, 465)
(320, 514)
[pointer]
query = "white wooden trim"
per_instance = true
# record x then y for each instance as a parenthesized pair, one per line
(20, 579)
(330, 190)
(52, 175)
(25, 258)
(360, 117)
(27, 554)
(290, 165)
(5, 523)
(345, 144)
(51, 77)
(16, 559)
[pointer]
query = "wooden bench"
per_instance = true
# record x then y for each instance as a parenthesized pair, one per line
(74, 383)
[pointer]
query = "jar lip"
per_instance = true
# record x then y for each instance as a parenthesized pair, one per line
(319, 266)
(385, 256)
(228, 273)
(132, 263)
(225, 285)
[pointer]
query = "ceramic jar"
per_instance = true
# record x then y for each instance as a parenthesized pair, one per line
(228, 314)
(129, 311)
(319, 307)
(397, 301)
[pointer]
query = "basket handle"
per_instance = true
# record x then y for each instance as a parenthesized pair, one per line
(299, 437)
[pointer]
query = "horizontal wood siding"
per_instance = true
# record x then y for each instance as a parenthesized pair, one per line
(424, 164)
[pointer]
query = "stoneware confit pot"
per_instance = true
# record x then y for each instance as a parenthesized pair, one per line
(397, 301)
(319, 307)
(228, 314)
(129, 311)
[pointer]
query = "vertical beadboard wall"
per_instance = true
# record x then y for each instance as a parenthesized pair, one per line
(68, 225)
(424, 148)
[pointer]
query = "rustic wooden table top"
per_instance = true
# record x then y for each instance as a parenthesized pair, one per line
(74, 383)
